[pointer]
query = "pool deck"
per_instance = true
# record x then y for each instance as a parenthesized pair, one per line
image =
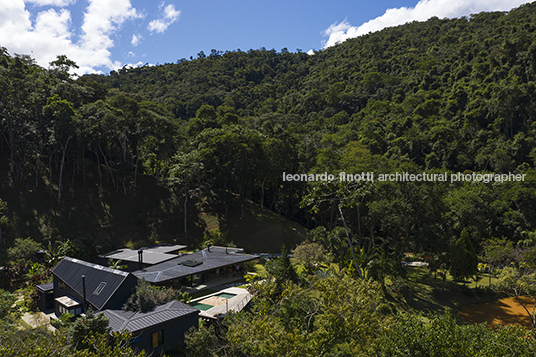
(237, 303)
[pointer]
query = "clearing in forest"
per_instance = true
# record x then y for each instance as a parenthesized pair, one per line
(507, 311)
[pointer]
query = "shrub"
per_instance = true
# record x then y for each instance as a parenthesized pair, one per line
(146, 297)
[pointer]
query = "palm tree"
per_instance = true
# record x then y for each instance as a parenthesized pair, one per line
(52, 254)
(116, 264)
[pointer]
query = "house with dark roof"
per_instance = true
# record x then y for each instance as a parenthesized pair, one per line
(136, 259)
(79, 285)
(190, 270)
(158, 330)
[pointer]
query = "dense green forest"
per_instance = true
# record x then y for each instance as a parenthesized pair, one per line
(216, 133)
(147, 154)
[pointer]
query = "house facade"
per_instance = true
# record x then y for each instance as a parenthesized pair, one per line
(80, 285)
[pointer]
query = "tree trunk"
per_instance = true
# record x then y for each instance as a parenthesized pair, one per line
(109, 169)
(50, 175)
(100, 174)
(37, 172)
(61, 170)
(84, 169)
(136, 166)
(359, 234)
(72, 181)
(531, 315)
(262, 193)
(11, 151)
(273, 201)
(352, 250)
(332, 219)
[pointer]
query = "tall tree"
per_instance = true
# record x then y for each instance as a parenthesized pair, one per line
(464, 262)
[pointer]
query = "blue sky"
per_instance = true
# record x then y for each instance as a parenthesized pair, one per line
(102, 35)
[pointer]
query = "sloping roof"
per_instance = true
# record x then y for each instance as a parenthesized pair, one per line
(193, 263)
(101, 282)
(151, 255)
(45, 287)
(136, 321)
(165, 248)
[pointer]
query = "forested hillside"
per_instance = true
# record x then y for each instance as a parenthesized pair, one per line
(155, 146)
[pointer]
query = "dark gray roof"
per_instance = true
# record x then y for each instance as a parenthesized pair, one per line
(151, 255)
(193, 263)
(98, 277)
(45, 287)
(136, 321)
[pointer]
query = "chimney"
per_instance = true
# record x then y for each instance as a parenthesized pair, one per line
(84, 291)
(140, 259)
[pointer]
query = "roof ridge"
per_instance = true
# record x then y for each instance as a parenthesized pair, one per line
(96, 266)
(124, 320)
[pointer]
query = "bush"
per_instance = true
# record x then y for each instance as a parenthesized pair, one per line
(398, 286)
(63, 321)
(24, 249)
(8, 310)
(83, 327)
(146, 297)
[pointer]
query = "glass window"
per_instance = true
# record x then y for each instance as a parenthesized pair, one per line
(77, 311)
(137, 339)
(99, 288)
(158, 338)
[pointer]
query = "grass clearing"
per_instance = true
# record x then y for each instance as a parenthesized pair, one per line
(425, 294)
(261, 231)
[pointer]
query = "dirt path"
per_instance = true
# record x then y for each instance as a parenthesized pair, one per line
(507, 311)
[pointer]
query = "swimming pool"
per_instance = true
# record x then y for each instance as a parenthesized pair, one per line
(226, 295)
(202, 307)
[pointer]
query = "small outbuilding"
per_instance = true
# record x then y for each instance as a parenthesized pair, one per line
(46, 296)
(158, 330)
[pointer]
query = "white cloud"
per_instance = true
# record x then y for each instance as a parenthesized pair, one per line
(136, 39)
(60, 3)
(169, 16)
(425, 9)
(133, 65)
(50, 34)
